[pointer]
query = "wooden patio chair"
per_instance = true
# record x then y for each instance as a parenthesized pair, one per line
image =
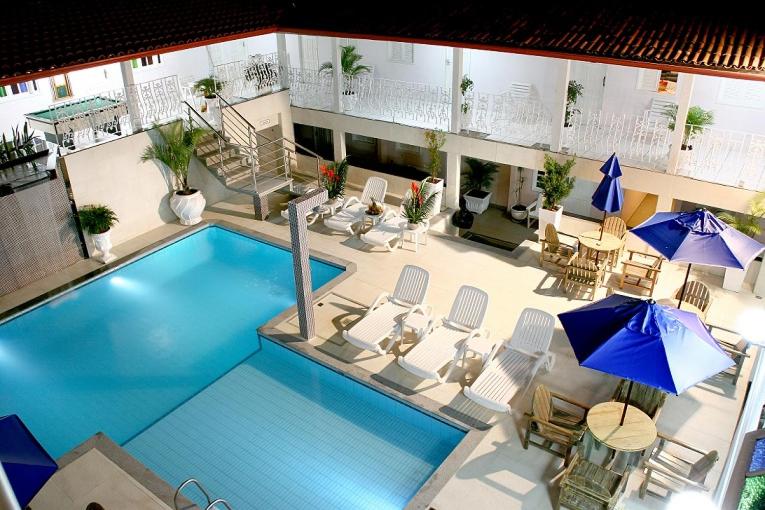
(698, 295)
(583, 273)
(734, 346)
(553, 249)
(641, 270)
(678, 468)
(647, 399)
(588, 486)
(615, 225)
(557, 420)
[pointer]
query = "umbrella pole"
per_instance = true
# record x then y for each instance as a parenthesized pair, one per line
(685, 284)
(602, 225)
(626, 404)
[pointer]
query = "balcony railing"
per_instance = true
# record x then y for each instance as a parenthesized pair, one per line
(733, 158)
(246, 79)
(503, 117)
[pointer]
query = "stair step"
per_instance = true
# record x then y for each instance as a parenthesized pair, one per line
(211, 158)
(230, 166)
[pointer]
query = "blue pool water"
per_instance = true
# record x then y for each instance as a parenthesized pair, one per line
(163, 356)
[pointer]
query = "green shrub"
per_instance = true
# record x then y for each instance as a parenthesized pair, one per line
(556, 184)
(96, 219)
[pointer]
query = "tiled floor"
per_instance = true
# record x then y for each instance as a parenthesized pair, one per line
(499, 473)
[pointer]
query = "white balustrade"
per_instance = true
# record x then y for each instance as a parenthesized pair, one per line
(502, 117)
(256, 76)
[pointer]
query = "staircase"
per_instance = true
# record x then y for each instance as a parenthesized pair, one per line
(244, 160)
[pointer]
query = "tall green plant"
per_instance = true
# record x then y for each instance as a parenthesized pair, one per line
(418, 208)
(749, 223)
(573, 92)
(179, 139)
(349, 63)
(333, 176)
(697, 119)
(556, 184)
(96, 218)
(209, 87)
(519, 184)
(480, 174)
(435, 139)
(466, 85)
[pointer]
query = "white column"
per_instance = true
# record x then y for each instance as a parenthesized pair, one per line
(128, 82)
(457, 71)
(337, 82)
(452, 189)
(560, 78)
(284, 60)
(684, 92)
(664, 203)
(338, 142)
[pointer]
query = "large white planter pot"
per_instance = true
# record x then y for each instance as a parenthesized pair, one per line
(734, 279)
(430, 188)
(213, 111)
(466, 119)
(103, 245)
(477, 205)
(684, 159)
(547, 216)
(518, 214)
(188, 208)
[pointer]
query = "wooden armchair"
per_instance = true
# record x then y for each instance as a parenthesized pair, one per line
(557, 420)
(679, 468)
(588, 486)
(641, 270)
(583, 273)
(615, 225)
(553, 249)
(734, 346)
(698, 295)
(647, 399)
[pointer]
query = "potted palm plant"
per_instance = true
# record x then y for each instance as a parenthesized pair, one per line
(418, 206)
(333, 177)
(697, 119)
(749, 224)
(556, 185)
(209, 88)
(478, 180)
(466, 86)
(97, 220)
(434, 185)
(518, 211)
(174, 150)
(350, 65)
(573, 92)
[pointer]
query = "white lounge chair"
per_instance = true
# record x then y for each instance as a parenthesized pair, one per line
(385, 318)
(387, 233)
(443, 343)
(353, 209)
(506, 374)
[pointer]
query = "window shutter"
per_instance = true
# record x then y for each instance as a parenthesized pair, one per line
(648, 79)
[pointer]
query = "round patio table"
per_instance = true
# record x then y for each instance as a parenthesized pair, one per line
(637, 433)
(610, 243)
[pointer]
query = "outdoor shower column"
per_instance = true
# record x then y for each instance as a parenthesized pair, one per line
(298, 211)
(684, 92)
(560, 91)
(455, 124)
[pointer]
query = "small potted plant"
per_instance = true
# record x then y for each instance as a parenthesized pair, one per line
(466, 87)
(333, 177)
(209, 88)
(697, 119)
(749, 224)
(518, 211)
(350, 66)
(418, 206)
(178, 141)
(478, 180)
(573, 92)
(97, 220)
(556, 185)
(434, 185)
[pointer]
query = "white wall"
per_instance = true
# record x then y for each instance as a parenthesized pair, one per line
(706, 90)
(621, 94)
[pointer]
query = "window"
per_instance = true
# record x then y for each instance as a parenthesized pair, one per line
(402, 53)
(61, 87)
(149, 60)
(317, 139)
(16, 89)
(538, 174)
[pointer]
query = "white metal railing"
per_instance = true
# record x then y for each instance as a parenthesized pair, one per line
(733, 158)
(113, 113)
(310, 89)
(258, 75)
(521, 121)
(638, 139)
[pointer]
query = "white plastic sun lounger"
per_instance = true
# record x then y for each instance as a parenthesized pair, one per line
(353, 209)
(385, 317)
(443, 344)
(387, 233)
(512, 370)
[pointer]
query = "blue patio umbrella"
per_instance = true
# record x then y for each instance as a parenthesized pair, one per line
(644, 342)
(608, 196)
(697, 237)
(26, 463)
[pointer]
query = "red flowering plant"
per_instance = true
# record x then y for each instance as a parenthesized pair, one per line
(333, 177)
(418, 207)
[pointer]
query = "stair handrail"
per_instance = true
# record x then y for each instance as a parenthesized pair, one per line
(211, 503)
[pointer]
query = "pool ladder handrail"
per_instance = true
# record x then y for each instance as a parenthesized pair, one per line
(211, 503)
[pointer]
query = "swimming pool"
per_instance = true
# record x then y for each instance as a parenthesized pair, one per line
(163, 356)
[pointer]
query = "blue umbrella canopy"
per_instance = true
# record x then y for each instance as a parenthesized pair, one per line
(698, 237)
(608, 196)
(26, 463)
(645, 342)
